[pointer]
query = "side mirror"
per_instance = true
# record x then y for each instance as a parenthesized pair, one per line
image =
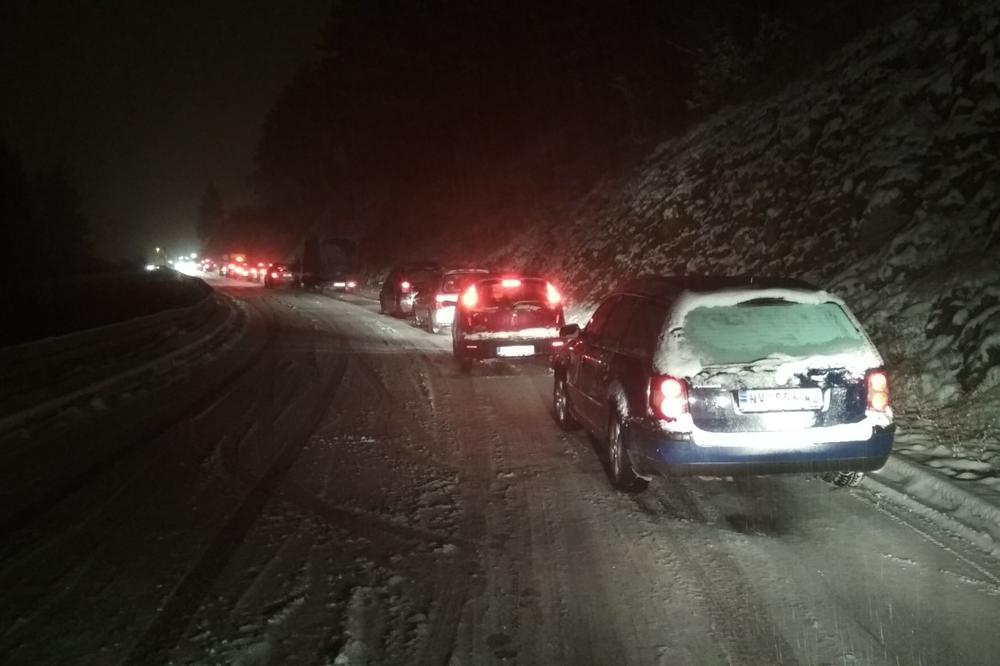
(569, 331)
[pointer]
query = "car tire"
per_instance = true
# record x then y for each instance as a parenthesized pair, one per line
(464, 362)
(430, 324)
(623, 476)
(847, 479)
(560, 404)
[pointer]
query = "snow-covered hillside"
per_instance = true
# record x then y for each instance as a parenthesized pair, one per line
(876, 176)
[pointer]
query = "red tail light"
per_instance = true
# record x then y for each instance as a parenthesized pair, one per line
(510, 283)
(273, 274)
(351, 284)
(470, 297)
(404, 285)
(552, 294)
(878, 391)
(668, 397)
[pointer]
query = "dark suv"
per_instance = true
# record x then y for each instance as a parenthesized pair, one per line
(506, 317)
(401, 287)
(724, 376)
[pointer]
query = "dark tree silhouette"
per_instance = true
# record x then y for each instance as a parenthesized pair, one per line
(433, 123)
(211, 214)
(41, 213)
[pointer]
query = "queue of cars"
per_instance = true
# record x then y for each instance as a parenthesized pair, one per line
(676, 375)
(681, 375)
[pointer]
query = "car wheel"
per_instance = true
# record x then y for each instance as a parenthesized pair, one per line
(560, 404)
(623, 476)
(464, 361)
(847, 479)
(430, 324)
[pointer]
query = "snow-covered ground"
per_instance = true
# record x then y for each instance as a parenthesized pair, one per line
(327, 487)
(335, 491)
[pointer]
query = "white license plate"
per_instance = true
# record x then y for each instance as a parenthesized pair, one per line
(780, 400)
(339, 285)
(516, 350)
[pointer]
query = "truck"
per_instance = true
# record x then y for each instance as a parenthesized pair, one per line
(329, 263)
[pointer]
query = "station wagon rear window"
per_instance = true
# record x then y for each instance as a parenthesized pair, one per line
(757, 330)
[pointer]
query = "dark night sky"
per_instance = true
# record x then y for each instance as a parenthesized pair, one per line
(146, 102)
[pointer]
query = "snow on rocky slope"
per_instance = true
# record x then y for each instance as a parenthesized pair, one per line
(878, 177)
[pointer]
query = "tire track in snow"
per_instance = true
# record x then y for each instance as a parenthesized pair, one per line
(128, 454)
(168, 627)
(718, 578)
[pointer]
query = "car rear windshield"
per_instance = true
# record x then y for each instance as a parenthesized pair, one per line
(493, 293)
(418, 276)
(753, 331)
(453, 282)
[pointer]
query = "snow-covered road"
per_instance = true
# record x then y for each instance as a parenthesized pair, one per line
(343, 494)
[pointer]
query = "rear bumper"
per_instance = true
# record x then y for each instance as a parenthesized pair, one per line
(483, 349)
(680, 457)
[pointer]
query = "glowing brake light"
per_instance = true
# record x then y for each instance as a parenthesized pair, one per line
(470, 297)
(878, 391)
(274, 274)
(351, 284)
(405, 285)
(552, 294)
(510, 283)
(668, 397)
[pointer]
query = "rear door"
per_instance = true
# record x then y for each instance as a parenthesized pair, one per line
(512, 305)
(634, 367)
(597, 360)
(773, 364)
(582, 348)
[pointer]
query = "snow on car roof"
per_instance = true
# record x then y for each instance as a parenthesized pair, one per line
(670, 286)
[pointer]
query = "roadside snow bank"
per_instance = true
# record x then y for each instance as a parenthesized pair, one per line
(87, 369)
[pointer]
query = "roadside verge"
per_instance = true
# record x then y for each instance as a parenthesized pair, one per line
(967, 509)
(86, 369)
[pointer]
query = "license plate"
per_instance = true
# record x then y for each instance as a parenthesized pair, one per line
(339, 285)
(516, 350)
(780, 400)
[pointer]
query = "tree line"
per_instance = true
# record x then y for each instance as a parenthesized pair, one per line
(47, 232)
(425, 124)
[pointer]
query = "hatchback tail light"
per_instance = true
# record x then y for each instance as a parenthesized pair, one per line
(552, 294)
(668, 397)
(878, 391)
(470, 297)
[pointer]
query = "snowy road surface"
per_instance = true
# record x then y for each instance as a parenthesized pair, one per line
(345, 495)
